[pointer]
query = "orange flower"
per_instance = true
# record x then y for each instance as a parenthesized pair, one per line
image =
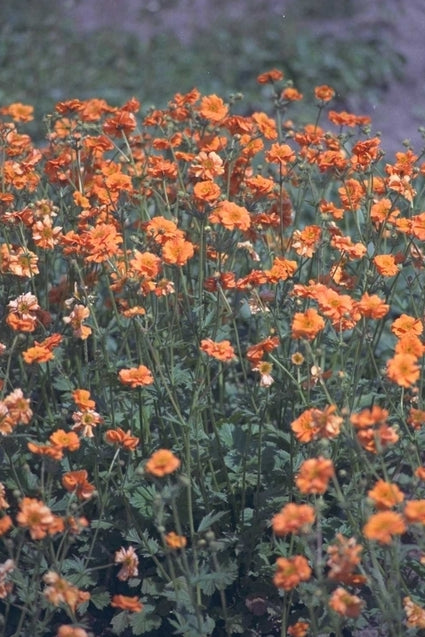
(291, 94)
(35, 516)
(129, 561)
(207, 165)
(383, 526)
(281, 154)
(351, 194)
(132, 604)
(19, 112)
(416, 418)
(65, 440)
(136, 376)
(293, 518)
(66, 630)
(213, 108)
(324, 93)
(75, 320)
(415, 614)
(161, 230)
(122, 123)
(5, 524)
(50, 451)
(307, 324)
(281, 270)
(18, 407)
(85, 421)
(177, 251)
(101, 242)
(206, 191)
(222, 350)
(344, 557)
(145, 264)
(174, 541)
(231, 216)
(405, 325)
(122, 439)
(314, 423)
(76, 482)
(343, 603)
(414, 511)
(314, 475)
(403, 370)
(372, 306)
(410, 344)
(60, 591)
(386, 265)
(274, 75)
(300, 629)
(385, 495)
(162, 463)
(37, 354)
(23, 313)
(82, 399)
(291, 571)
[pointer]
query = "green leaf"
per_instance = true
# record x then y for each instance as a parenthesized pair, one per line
(209, 520)
(119, 623)
(100, 598)
(145, 621)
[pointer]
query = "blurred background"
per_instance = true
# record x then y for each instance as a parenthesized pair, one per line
(371, 53)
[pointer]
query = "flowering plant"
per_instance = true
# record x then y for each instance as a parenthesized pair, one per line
(211, 414)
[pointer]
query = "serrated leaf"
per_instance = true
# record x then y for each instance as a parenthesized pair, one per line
(142, 499)
(209, 520)
(145, 621)
(100, 598)
(62, 384)
(119, 623)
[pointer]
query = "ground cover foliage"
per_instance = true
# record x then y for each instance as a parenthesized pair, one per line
(211, 343)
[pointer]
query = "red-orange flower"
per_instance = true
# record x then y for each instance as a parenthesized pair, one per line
(136, 376)
(324, 93)
(291, 571)
(122, 439)
(274, 75)
(132, 604)
(344, 557)
(76, 481)
(162, 463)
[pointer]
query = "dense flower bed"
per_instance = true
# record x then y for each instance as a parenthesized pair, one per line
(212, 389)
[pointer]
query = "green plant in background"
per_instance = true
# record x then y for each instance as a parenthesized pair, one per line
(43, 58)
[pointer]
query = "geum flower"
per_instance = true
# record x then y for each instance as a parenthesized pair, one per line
(315, 423)
(162, 463)
(136, 376)
(231, 216)
(221, 350)
(76, 482)
(314, 475)
(293, 518)
(131, 604)
(291, 571)
(307, 324)
(383, 526)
